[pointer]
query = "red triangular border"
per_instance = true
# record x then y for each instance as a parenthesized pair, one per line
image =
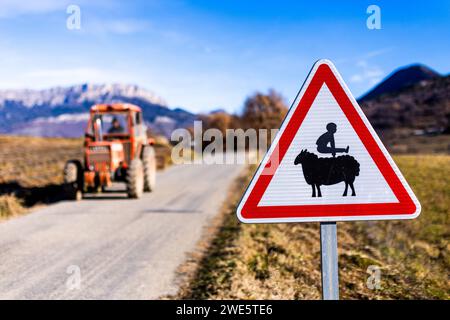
(405, 206)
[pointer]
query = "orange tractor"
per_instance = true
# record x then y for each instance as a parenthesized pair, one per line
(116, 149)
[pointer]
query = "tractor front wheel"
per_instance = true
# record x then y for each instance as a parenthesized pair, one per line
(149, 160)
(73, 180)
(135, 179)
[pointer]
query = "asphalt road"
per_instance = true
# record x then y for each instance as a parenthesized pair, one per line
(109, 247)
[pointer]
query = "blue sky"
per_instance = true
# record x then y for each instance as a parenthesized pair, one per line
(209, 54)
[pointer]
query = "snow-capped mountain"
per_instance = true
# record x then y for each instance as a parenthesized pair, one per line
(62, 111)
(77, 94)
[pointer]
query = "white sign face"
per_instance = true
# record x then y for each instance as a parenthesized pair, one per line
(327, 163)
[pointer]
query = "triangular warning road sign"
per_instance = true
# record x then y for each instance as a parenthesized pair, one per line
(326, 163)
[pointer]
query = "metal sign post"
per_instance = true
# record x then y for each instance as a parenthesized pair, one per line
(328, 250)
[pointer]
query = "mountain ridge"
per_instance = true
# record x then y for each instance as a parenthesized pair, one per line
(46, 112)
(420, 109)
(414, 98)
(54, 96)
(401, 78)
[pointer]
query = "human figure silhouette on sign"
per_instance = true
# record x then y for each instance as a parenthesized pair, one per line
(328, 138)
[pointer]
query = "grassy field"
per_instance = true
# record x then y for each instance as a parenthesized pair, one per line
(282, 261)
(411, 144)
(31, 170)
(34, 162)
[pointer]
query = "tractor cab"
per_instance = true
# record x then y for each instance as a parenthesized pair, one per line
(115, 121)
(117, 149)
(112, 122)
(109, 126)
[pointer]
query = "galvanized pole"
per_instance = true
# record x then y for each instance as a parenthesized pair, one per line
(328, 249)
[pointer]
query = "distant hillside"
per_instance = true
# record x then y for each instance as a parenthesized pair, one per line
(62, 111)
(400, 79)
(413, 119)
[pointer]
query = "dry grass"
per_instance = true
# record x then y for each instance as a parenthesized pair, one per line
(282, 261)
(34, 162)
(406, 143)
(31, 170)
(10, 206)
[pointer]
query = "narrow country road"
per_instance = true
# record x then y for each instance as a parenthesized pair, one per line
(117, 248)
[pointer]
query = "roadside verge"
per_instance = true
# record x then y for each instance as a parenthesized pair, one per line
(282, 261)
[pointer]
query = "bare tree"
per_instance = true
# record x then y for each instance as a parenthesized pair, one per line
(264, 111)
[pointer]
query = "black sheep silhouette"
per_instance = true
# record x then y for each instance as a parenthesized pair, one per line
(327, 171)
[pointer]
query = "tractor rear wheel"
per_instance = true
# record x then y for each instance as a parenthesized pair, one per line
(149, 160)
(135, 179)
(73, 180)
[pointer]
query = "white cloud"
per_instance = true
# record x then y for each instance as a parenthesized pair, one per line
(116, 26)
(376, 53)
(49, 77)
(85, 72)
(368, 72)
(43, 78)
(12, 8)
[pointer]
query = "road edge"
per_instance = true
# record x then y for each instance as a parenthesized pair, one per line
(216, 236)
